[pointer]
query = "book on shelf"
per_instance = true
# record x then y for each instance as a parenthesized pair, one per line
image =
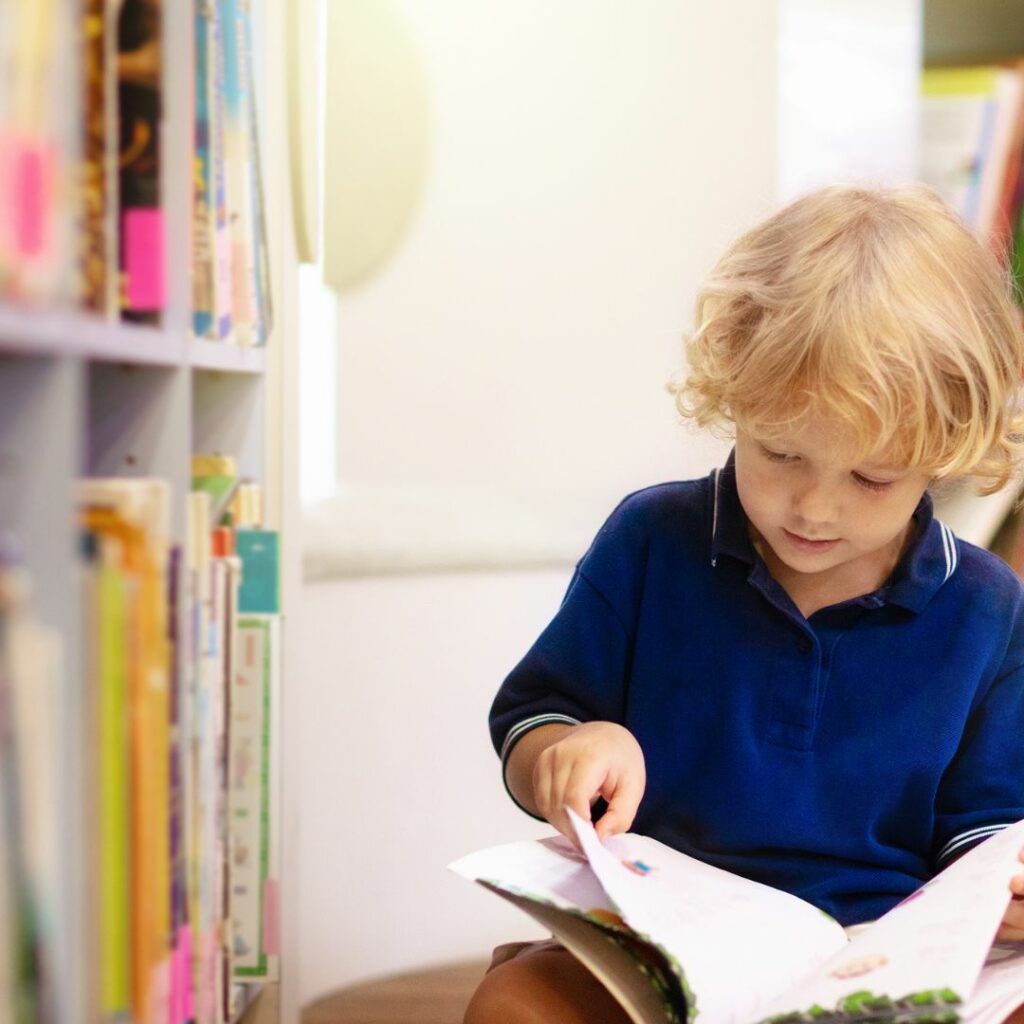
(972, 145)
(178, 727)
(231, 266)
(30, 838)
(140, 103)
(38, 143)
(96, 285)
(229, 510)
(677, 940)
(131, 688)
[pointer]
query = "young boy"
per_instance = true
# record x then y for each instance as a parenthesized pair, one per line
(790, 669)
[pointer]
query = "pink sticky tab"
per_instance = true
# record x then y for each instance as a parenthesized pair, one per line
(158, 1002)
(188, 1006)
(271, 917)
(31, 185)
(179, 979)
(174, 1009)
(143, 229)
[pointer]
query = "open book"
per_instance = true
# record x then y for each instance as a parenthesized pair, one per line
(676, 940)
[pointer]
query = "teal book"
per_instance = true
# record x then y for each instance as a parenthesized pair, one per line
(259, 552)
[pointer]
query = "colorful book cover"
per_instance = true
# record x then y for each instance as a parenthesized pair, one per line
(258, 550)
(143, 284)
(112, 745)
(957, 109)
(39, 132)
(137, 513)
(250, 738)
(261, 254)
(223, 274)
(204, 199)
(237, 97)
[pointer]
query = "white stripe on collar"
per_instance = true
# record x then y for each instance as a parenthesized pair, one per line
(714, 522)
(949, 548)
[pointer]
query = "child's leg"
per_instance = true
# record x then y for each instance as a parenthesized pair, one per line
(539, 983)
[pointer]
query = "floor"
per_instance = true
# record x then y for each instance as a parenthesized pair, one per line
(437, 996)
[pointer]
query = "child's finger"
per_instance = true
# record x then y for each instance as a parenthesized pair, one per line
(1013, 919)
(1017, 887)
(622, 805)
(572, 787)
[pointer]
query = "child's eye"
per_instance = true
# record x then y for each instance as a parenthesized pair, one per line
(872, 485)
(777, 456)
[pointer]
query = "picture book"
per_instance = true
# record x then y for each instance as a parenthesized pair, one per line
(677, 940)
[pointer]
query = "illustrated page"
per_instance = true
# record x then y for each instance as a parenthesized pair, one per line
(739, 943)
(927, 951)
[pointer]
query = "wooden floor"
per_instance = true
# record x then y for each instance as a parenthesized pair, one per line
(437, 996)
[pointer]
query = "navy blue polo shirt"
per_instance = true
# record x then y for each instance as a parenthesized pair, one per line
(844, 758)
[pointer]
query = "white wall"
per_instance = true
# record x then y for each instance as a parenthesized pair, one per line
(589, 160)
(399, 777)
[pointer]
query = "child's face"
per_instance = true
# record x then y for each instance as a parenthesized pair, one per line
(821, 514)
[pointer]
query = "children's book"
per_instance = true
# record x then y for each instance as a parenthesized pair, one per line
(677, 940)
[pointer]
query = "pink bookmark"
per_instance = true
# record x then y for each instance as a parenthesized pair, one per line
(144, 258)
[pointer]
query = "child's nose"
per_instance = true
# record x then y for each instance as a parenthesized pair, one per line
(816, 505)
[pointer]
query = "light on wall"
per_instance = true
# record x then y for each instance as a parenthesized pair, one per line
(375, 135)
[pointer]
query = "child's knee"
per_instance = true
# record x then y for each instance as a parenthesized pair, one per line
(542, 986)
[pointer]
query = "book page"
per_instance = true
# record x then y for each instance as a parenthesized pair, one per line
(1000, 987)
(935, 940)
(550, 870)
(738, 942)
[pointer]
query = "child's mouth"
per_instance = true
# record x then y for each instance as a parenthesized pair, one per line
(807, 544)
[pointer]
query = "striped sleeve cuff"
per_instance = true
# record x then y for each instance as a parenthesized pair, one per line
(962, 842)
(515, 734)
(520, 729)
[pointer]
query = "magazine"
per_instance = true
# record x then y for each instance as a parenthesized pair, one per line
(676, 940)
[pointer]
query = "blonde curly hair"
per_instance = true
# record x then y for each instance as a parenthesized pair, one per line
(874, 305)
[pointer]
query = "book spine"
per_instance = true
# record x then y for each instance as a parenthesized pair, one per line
(203, 212)
(260, 254)
(95, 272)
(222, 235)
(236, 150)
(139, 102)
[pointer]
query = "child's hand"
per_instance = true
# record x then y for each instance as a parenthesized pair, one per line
(593, 759)
(1012, 927)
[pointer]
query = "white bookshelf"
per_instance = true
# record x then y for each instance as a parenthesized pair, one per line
(83, 396)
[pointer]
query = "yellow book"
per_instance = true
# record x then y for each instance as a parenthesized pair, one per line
(138, 516)
(113, 784)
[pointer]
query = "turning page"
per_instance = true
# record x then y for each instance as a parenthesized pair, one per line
(737, 942)
(927, 952)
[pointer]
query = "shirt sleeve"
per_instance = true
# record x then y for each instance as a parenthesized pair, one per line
(577, 670)
(983, 789)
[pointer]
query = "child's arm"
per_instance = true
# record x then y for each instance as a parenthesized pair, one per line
(556, 765)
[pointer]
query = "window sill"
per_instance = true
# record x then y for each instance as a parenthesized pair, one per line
(376, 529)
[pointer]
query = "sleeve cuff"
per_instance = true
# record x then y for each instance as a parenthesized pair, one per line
(964, 841)
(514, 735)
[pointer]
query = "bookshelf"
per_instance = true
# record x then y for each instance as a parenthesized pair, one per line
(961, 36)
(84, 396)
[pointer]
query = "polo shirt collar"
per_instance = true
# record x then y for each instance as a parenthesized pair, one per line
(928, 563)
